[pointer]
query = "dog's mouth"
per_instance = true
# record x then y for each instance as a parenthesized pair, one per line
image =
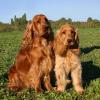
(70, 42)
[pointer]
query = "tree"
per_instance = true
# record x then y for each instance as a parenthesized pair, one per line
(69, 20)
(12, 21)
(15, 19)
(89, 19)
(24, 19)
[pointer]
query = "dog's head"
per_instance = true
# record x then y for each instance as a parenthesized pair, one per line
(41, 26)
(38, 27)
(66, 37)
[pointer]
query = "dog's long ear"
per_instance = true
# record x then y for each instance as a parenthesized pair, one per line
(50, 34)
(77, 38)
(57, 43)
(35, 27)
(57, 35)
(59, 46)
(76, 35)
(56, 38)
(28, 35)
(76, 48)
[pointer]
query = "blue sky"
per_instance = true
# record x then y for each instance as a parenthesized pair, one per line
(53, 9)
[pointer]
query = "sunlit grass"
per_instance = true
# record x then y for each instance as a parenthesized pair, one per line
(90, 58)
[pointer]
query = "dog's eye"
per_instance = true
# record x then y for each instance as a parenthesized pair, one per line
(63, 32)
(38, 21)
(72, 32)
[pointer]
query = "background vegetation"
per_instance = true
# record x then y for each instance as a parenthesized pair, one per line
(20, 23)
(90, 57)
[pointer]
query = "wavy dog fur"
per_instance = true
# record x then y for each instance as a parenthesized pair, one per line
(34, 61)
(66, 47)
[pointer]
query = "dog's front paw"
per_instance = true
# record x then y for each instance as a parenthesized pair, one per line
(79, 90)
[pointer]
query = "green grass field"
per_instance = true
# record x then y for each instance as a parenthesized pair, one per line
(90, 58)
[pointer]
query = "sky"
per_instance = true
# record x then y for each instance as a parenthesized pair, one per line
(77, 10)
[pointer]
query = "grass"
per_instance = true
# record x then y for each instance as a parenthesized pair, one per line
(90, 58)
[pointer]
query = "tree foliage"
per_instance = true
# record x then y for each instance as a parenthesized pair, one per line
(20, 23)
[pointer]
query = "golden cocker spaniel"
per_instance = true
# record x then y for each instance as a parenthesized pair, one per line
(66, 47)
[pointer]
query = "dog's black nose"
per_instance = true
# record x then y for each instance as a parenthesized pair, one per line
(69, 40)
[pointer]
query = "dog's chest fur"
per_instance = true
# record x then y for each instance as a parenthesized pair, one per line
(60, 61)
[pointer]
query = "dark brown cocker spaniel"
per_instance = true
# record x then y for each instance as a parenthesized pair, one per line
(34, 62)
